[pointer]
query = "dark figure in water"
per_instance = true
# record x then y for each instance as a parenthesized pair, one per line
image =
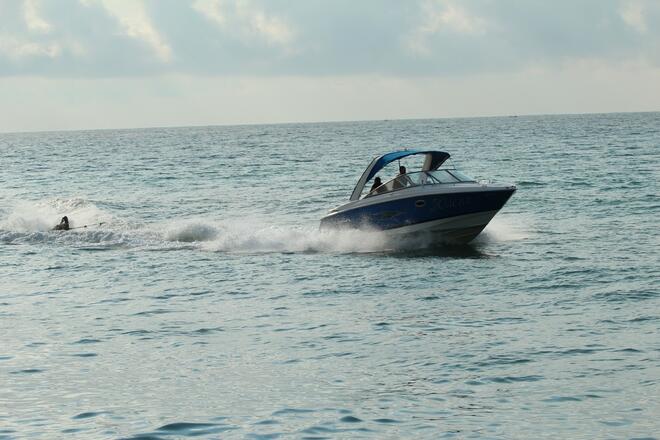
(64, 224)
(376, 184)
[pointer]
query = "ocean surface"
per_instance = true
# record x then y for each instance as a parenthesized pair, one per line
(202, 300)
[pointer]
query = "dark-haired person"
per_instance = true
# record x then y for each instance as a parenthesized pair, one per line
(402, 180)
(377, 183)
(64, 224)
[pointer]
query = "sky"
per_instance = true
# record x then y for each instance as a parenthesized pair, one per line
(85, 64)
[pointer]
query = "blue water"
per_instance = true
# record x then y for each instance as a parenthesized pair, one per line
(209, 305)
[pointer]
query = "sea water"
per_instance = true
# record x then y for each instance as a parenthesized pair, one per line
(202, 300)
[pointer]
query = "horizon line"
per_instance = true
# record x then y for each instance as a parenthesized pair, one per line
(311, 122)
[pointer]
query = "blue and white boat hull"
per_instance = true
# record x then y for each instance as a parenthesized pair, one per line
(438, 214)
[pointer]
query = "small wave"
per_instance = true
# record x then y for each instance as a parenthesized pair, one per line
(530, 184)
(87, 239)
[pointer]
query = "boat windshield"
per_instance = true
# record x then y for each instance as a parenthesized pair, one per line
(437, 177)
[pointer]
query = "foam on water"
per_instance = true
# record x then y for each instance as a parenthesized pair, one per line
(503, 228)
(254, 235)
(44, 215)
(189, 231)
(33, 222)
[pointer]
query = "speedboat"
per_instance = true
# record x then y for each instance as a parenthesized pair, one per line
(438, 203)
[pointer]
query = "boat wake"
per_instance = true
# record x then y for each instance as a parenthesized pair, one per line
(504, 228)
(32, 223)
(254, 235)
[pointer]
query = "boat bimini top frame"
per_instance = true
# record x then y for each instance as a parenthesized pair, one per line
(433, 160)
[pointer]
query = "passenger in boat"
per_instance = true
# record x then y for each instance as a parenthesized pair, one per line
(401, 180)
(64, 224)
(377, 183)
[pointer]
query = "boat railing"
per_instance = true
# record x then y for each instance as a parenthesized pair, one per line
(419, 178)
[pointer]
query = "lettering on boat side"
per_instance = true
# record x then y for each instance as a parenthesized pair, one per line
(390, 214)
(452, 203)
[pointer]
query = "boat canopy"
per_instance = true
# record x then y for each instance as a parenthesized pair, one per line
(432, 161)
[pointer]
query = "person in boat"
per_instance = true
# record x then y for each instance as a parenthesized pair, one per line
(64, 224)
(377, 183)
(402, 180)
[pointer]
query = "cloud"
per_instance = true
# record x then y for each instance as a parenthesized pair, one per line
(212, 9)
(105, 38)
(273, 29)
(18, 49)
(444, 16)
(247, 19)
(33, 20)
(135, 23)
(632, 13)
